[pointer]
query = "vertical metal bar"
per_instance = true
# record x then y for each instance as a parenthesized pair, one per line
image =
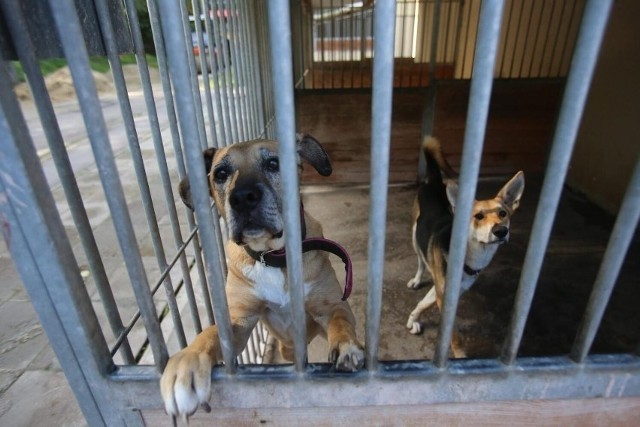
(69, 30)
(434, 40)
(614, 256)
(201, 126)
(222, 70)
(352, 44)
(526, 39)
(26, 52)
(204, 64)
(193, 76)
(456, 43)
(240, 68)
(557, 38)
(535, 39)
(515, 42)
(43, 257)
(212, 63)
(381, 103)
(476, 123)
(546, 38)
(280, 30)
(422, 4)
(322, 45)
(244, 26)
(446, 33)
(178, 64)
(163, 167)
(402, 31)
(466, 40)
(260, 72)
(566, 38)
(253, 25)
(158, 41)
(576, 91)
(506, 37)
(108, 37)
(229, 71)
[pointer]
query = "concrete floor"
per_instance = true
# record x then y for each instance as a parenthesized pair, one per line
(571, 263)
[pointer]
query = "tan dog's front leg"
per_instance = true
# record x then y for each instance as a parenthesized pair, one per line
(186, 380)
(345, 352)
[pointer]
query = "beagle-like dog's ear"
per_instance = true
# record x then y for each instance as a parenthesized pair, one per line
(512, 191)
(310, 150)
(184, 188)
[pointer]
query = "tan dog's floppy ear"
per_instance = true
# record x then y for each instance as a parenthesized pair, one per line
(512, 191)
(185, 189)
(310, 150)
(452, 193)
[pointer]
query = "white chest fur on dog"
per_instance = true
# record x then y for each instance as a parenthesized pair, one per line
(269, 284)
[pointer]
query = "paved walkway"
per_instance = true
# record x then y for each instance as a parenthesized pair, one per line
(33, 388)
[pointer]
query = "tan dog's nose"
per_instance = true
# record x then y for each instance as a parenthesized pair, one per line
(246, 198)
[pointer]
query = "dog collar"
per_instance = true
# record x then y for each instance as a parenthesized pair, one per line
(278, 258)
(470, 271)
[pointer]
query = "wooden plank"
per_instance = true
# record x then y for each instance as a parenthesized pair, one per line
(583, 413)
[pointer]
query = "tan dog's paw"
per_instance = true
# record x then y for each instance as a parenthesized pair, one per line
(347, 356)
(186, 383)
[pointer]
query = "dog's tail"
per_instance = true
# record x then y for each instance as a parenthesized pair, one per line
(436, 162)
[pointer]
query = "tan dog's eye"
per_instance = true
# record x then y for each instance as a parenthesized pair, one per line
(502, 213)
(272, 164)
(479, 216)
(220, 175)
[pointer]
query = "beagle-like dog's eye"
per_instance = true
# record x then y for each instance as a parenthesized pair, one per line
(479, 216)
(220, 175)
(502, 213)
(272, 164)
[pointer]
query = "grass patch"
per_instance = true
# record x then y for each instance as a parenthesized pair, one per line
(98, 63)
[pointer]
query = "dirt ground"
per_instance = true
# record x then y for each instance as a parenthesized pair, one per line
(60, 83)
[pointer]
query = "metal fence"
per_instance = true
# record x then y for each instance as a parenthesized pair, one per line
(249, 94)
(435, 38)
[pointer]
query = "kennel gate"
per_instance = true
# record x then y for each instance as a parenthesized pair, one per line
(116, 381)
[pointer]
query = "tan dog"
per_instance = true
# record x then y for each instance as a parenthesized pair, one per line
(244, 180)
(432, 220)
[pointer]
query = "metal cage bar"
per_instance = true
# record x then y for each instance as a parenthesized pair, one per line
(68, 25)
(138, 163)
(281, 48)
(26, 51)
(583, 64)
(107, 392)
(161, 56)
(186, 103)
(384, 26)
(47, 264)
(481, 84)
(614, 255)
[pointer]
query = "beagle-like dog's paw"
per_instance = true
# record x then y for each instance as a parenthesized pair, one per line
(414, 326)
(414, 283)
(186, 383)
(347, 356)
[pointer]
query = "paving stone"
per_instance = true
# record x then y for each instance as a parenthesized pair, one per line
(40, 398)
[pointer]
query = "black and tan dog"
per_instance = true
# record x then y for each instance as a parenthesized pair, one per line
(244, 180)
(432, 220)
